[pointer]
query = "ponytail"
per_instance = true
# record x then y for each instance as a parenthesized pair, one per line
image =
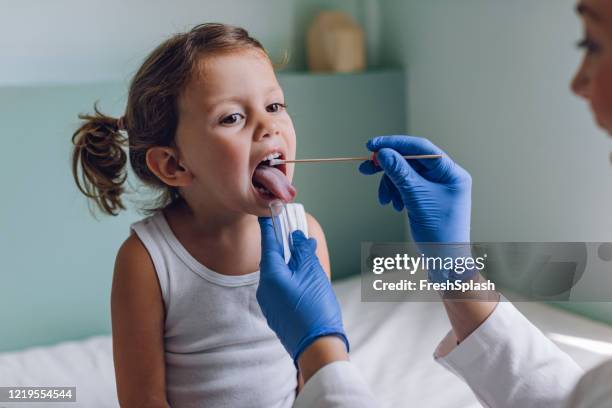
(98, 146)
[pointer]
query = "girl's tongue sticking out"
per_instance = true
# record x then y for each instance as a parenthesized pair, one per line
(273, 183)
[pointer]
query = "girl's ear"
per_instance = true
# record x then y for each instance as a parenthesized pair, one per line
(164, 163)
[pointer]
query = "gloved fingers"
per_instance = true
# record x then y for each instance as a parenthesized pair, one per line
(398, 203)
(368, 167)
(301, 244)
(397, 169)
(303, 248)
(386, 189)
(403, 144)
(419, 167)
(411, 145)
(298, 236)
(270, 247)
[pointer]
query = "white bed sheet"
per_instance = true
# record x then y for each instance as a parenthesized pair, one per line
(392, 343)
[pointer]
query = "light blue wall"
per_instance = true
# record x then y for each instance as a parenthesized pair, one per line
(57, 260)
(74, 41)
(53, 41)
(489, 82)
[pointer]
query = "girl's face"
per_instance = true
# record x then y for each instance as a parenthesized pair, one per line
(593, 81)
(232, 116)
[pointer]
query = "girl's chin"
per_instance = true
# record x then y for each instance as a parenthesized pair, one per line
(261, 203)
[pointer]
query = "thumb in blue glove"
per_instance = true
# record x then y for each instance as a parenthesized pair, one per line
(297, 299)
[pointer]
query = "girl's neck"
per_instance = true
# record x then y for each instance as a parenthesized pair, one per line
(206, 223)
(226, 243)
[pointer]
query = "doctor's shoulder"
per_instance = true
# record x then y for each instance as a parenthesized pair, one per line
(138, 315)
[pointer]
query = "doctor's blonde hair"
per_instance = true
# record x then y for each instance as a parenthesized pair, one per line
(151, 117)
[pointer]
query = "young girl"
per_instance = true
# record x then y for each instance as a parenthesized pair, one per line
(204, 114)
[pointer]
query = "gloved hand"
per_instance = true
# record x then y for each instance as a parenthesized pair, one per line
(297, 299)
(436, 193)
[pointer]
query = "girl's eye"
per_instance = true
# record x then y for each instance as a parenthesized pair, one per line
(590, 46)
(276, 107)
(232, 119)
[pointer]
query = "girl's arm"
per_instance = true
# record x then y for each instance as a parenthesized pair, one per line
(315, 231)
(137, 311)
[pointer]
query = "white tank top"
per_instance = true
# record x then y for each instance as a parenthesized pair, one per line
(219, 350)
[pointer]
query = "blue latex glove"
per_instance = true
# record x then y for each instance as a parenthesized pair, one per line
(297, 299)
(436, 192)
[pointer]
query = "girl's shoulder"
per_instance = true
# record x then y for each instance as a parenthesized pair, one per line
(134, 273)
(134, 248)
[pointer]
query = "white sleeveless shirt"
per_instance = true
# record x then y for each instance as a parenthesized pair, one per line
(219, 350)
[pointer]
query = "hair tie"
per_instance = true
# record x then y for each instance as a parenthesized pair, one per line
(120, 123)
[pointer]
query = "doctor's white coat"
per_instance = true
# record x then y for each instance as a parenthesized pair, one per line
(507, 362)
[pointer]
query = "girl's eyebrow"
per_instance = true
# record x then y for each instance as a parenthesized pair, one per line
(211, 105)
(218, 101)
(586, 11)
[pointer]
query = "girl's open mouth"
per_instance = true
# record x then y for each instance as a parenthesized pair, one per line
(271, 182)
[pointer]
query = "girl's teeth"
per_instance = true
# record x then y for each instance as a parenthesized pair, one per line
(272, 156)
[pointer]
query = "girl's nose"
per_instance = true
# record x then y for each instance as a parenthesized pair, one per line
(266, 128)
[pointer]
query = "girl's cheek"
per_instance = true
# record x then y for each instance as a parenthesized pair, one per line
(233, 162)
(291, 140)
(291, 147)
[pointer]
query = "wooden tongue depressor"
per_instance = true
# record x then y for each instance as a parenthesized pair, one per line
(275, 162)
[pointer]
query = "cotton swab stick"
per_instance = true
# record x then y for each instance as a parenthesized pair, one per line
(275, 162)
